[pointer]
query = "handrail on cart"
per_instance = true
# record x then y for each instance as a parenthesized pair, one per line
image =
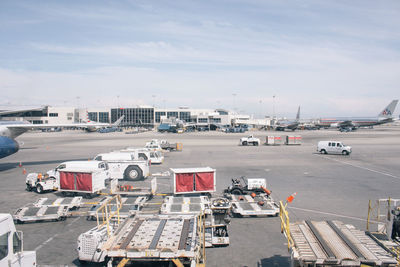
(201, 256)
(285, 228)
(106, 214)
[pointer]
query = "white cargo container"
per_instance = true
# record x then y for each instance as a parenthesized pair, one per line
(273, 140)
(87, 182)
(11, 245)
(194, 180)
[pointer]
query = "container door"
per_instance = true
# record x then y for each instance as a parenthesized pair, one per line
(204, 181)
(184, 182)
(67, 180)
(84, 182)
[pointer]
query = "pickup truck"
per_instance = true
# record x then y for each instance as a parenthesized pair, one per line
(123, 165)
(249, 140)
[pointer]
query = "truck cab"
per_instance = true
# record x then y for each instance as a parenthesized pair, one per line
(249, 140)
(155, 156)
(333, 147)
(11, 245)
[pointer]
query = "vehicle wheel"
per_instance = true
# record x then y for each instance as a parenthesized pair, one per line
(133, 173)
(345, 152)
(28, 187)
(323, 151)
(39, 189)
(256, 143)
(244, 143)
(88, 196)
(236, 191)
(64, 194)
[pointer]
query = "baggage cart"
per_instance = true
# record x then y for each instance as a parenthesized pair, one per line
(43, 213)
(246, 205)
(194, 180)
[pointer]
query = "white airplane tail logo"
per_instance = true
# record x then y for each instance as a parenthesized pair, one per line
(388, 111)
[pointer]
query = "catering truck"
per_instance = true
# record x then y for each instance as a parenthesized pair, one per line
(11, 245)
(124, 166)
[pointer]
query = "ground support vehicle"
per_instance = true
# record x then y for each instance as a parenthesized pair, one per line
(124, 166)
(194, 180)
(272, 140)
(44, 213)
(130, 206)
(71, 203)
(247, 205)
(171, 146)
(155, 157)
(41, 183)
(89, 183)
(220, 209)
(333, 243)
(130, 190)
(333, 147)
(292, 139)
(249, 140)
(242, 186)
(11, 245)
(90, 243)
(154, 238)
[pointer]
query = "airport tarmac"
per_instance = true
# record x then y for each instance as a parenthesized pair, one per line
(328, 186)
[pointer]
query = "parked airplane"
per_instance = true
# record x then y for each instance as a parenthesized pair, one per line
(290, 125)
(385, 116)
(9, 130)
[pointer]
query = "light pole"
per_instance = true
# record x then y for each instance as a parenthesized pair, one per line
(273, 107)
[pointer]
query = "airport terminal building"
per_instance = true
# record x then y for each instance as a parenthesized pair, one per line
(138, 116)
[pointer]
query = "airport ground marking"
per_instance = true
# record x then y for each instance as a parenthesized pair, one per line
(328, 213)
(54, 236)
(364, 168)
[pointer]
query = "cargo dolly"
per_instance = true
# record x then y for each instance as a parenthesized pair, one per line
(43, 213)
(332, 243)
(130, 205)
(187, 205)
(259, 205)
(72, 203)
(153, 238)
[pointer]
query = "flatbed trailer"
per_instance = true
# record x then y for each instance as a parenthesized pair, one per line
(333, 243)
(130, 206)
(246, 205)
(155, 238)
(43, 213)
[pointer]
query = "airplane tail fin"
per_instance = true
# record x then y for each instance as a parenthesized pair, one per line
(118, 122)
(388, 111)
(298, 114)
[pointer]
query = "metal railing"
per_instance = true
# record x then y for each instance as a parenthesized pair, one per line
(285, 226)
(104, 213)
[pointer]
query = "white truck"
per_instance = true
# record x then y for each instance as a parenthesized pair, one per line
(124, 166)
(44, 182)
(11, 245)
(250, 140)
(333, 147)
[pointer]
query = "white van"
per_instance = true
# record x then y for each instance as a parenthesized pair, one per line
(333, 147)
(123, 165)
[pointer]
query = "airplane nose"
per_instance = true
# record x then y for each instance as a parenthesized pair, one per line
(8, 146)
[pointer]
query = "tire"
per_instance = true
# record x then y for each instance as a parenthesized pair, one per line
(255, 143)
(39, 189)
(28, 187)
(345, 152)
(244, 143)
(133, 173)
(236, 191)
(323, 151)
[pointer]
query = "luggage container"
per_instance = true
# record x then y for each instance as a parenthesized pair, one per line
(273, 140)
(86, 182)
(194, 180)
(292, 140)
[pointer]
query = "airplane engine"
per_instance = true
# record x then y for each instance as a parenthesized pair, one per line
(8, 146)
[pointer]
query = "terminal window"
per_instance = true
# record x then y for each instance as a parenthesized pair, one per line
(53, 114)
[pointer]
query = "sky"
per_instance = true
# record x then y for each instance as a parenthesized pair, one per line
(332, 58)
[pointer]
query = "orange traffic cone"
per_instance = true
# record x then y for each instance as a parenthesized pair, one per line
(291, 197)
(24, 171)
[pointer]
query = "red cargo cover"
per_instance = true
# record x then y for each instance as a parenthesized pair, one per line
(204, 181)
(67, 180)
(84, 181)
(184, 182)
